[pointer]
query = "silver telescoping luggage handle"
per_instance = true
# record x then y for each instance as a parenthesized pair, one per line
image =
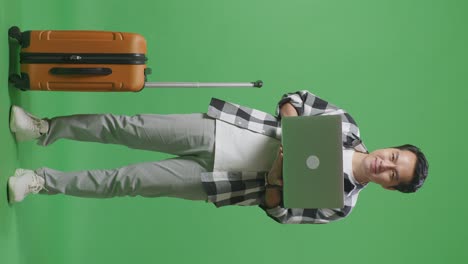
(257, 84)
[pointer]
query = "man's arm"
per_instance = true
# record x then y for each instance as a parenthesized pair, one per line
(307, 104)
(272, 198)
(282, 215)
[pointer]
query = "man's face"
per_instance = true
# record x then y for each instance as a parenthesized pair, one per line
(389, 167)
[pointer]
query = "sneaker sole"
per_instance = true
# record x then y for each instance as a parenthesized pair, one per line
(12, 119)
(22, 139)
(11, 193)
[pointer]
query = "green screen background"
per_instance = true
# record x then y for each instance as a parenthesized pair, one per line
(399, 67)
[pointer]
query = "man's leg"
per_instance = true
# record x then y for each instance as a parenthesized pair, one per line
(185, 134)
(178, 177)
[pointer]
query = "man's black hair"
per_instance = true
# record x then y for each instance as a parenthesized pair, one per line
(420, 170)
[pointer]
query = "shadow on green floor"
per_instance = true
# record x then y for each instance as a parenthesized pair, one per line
(9, 151)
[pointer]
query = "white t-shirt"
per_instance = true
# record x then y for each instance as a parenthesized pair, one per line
(348, 164)
(238, 149)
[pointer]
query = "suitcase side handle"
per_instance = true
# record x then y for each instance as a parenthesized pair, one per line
(80, 71)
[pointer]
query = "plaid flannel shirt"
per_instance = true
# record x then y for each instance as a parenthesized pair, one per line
(248, 187)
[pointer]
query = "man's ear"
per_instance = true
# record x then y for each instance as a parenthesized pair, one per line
(390, 188)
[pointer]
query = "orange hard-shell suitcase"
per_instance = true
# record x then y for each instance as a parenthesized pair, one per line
(94, 61)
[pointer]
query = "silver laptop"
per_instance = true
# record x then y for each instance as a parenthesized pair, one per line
(312, 162)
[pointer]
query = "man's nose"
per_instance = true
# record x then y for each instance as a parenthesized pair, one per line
(385, 165)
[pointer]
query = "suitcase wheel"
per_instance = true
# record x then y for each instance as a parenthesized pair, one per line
(15, 32)
(20, 82)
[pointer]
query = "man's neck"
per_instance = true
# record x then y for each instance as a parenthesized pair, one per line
(358, 171)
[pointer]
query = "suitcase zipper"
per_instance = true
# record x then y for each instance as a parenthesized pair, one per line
(82, 58)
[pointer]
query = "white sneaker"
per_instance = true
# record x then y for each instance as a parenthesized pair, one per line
(23, 183)
(26, 126)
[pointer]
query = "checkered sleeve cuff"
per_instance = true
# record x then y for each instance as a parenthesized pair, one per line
(277, 212)
(295, 99)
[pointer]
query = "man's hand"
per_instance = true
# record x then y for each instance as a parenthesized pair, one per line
(288, 110)
(273, 196)
(275, 176)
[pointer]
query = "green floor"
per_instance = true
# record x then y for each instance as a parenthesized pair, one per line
(399, 67)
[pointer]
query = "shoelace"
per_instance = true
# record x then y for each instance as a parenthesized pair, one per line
(36, 185)
(38, 125)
